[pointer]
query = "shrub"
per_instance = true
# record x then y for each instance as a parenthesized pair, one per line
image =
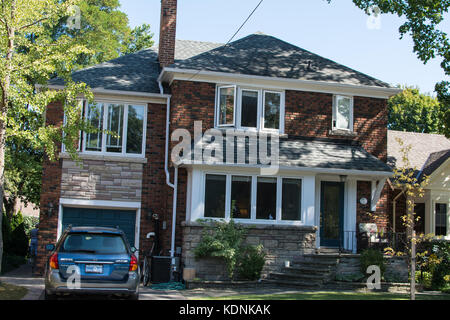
(225, 240)
(371, 257)
(424, 278)
(251, 262)
(15, 239)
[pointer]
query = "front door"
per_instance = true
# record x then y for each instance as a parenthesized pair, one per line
(331, 214)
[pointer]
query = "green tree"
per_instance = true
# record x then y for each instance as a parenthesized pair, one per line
(104, 30)
(415, 112)
(422, 19)
(30, 56)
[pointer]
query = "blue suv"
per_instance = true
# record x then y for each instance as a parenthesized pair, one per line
(92, 260)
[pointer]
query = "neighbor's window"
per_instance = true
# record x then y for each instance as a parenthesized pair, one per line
(343, 113)
(272, 106)
(291, 200)
(241, 197)
(215, 190)
(441, 219)
(124, 125)
(226, 106)
(266, 199)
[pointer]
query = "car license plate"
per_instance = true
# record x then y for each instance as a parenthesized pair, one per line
(94, 268)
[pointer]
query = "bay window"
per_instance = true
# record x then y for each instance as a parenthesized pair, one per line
(241, 194)
(252, 199)
(248, 108)
(343, 113)
(120, 129)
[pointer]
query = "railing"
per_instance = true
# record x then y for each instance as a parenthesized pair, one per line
(382, 240)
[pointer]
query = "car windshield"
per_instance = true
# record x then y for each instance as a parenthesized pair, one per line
(94, 243)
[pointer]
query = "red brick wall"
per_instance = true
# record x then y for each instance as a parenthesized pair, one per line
(363, 213)
(50, 192)
(309, 114)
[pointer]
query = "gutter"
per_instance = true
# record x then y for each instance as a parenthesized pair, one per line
(173, 185)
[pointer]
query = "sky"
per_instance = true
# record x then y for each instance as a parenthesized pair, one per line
(339, 31)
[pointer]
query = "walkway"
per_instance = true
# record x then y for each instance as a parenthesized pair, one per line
(22, 277)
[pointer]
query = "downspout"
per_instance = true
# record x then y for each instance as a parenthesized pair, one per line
(174, 185)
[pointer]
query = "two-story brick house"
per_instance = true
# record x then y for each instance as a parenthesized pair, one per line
(327, 122)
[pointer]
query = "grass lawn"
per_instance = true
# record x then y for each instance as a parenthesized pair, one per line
(325, 295)
(10, 292)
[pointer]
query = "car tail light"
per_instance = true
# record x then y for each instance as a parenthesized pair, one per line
(133, 263)
(54, 261)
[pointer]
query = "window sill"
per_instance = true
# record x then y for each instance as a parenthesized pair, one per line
(253, 225)
(102, 157)
(342, 133)
(242, 130)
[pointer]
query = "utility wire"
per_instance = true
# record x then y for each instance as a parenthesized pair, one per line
(231, 39)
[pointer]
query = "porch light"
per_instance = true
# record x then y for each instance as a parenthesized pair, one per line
(343, 178)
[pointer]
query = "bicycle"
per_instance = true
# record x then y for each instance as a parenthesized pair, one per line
(147, 264)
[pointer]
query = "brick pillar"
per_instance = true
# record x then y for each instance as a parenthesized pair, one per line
(167, 32)
(50, 192)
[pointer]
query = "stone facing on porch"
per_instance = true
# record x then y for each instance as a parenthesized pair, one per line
(101, 180)
(281, 242)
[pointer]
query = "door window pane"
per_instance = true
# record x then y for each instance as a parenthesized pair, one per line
(342, 112)
(291, 200)
(95, 119)
(114, 125)
(135, 129)
(241, 195)
(441, 219)
(249, 110)
(272, 101)
(266, 199)
(226, 106)
(215, 189)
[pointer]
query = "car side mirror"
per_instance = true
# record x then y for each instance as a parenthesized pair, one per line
(50, 247)
(133, 249)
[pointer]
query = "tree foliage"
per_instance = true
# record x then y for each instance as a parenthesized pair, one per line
(415, 112)
(422, 21)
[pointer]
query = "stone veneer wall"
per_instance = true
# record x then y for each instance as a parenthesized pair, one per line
(280, 242)
(102, 180)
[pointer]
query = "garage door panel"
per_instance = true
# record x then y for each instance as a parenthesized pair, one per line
(123, 219)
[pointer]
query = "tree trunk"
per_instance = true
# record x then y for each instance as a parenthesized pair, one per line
(413, 264)
(2, 180)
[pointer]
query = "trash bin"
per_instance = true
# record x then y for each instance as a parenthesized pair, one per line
(160, 269)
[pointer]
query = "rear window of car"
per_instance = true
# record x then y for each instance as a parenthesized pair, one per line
(94, 243)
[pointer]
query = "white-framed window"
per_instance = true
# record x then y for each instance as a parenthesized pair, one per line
(121, 128)
(252, 198)
(343, 113)
(440, 219)
(249, 108)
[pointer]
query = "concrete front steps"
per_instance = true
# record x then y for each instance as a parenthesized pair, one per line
(310, 271)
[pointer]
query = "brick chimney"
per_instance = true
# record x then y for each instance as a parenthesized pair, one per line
(167, 32)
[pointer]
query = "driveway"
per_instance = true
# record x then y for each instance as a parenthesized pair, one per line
(23, 277)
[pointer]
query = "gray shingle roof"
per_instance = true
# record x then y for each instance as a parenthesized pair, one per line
(422, 146)
(302, 153)
(434, 161)
(136, 72)
(256, 54)
(263, 55)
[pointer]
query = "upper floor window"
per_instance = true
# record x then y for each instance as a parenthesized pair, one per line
(343, 113)
(248, 108)
(121, 129)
